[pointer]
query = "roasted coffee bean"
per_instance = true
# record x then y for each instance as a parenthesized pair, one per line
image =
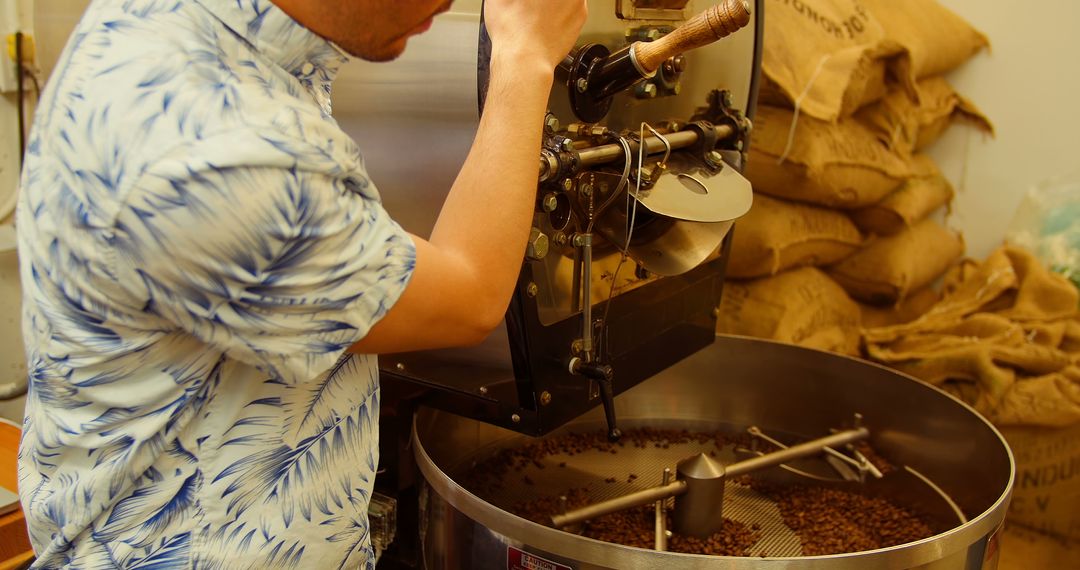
(834, 521)
(827, 520)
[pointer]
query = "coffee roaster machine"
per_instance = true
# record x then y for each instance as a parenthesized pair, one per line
(611, 324)
(638, 188)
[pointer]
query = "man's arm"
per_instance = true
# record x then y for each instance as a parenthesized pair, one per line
(465, 274)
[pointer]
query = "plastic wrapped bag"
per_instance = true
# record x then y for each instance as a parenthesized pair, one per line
(1048, 224)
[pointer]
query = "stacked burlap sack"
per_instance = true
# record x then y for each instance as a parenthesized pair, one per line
(1006, 339)
(842, 229)
(844, 235)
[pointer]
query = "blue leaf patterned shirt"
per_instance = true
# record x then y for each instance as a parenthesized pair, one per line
(199, 245)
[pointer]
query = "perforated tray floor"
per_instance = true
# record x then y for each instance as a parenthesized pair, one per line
(592, 469)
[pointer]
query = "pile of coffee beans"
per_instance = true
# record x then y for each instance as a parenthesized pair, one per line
(490, 475)
(637, 527)
(827, 520)
(835, 521)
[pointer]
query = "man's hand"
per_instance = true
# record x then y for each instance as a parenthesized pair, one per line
(465, 273)
(541, 31)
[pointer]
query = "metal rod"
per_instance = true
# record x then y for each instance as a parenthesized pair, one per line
(812, 447)
(586, 304)
(661, 516)
(615, 505)
(612, 152)
(861, 464)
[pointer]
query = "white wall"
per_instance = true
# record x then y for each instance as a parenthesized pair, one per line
(15, 15)
(1029, 86)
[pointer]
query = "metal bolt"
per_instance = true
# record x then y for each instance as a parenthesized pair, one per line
(399, 367)
(586, 189)
(545, 398)
(728, 100)
(515, 418)
(716, 312)
(538, 245)
(560, 238)
(551, 202)
(483, 390)
(552, 122)
(532, 290)
(568, 184)
(567, 145)
(674, 65)
(576, 347)
(582, 85)
(652, 34)
(645, 91)
(738, 145)
(579, 240)
(714, 158)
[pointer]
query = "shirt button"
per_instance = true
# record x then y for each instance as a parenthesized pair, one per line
(307, 68)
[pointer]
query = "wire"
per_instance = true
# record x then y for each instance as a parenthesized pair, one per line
(631, 209)
(34, 80)
(20, 71)
(623, 181)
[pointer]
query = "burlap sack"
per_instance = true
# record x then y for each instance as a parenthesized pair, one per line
(936, 39)
(840, 165)
(889, 268)
(908, 125)
(910, 203)
(1009, 284)
(1004, 339)
(1024, 548)
(831, 56)
(1011, 375)
(777, 235)
(1046, 496)
(914, 306)
(802, 306)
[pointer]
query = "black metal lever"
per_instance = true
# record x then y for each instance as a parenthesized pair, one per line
(604, 374)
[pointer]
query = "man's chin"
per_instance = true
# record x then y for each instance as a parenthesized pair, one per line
(384, 53)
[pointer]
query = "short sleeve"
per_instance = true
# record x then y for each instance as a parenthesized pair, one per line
(277, 265)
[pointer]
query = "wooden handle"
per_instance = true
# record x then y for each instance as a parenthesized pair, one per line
(717, 22)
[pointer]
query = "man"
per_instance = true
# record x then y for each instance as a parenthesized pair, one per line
(200, 245)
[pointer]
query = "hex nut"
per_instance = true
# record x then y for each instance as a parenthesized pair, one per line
(538, 245)
(551, 202)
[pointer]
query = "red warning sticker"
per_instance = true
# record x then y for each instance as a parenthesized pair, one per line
(521, 560)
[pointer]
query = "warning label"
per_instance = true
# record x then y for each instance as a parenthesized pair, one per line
(521, 560)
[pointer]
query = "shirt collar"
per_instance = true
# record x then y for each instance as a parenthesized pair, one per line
(303, 53)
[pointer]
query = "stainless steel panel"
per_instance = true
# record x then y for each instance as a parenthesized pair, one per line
(415, 118)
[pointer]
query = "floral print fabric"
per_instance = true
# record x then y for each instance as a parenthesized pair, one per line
(199, 244)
